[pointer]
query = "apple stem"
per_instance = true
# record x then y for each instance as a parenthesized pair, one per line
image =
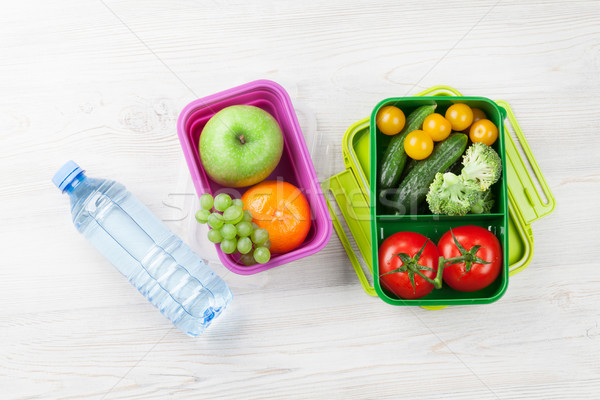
(242, 139)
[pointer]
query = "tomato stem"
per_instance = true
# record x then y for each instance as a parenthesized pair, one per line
(442, 262)
(466, 256)
(411, 264)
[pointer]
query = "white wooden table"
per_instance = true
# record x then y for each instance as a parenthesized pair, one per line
(102, 82)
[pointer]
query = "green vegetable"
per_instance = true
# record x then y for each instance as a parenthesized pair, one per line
(394, 157)
(468, 192)
(483, 203)
(451, 194)
(482, 164)
(410, 164)
(414, 187)
(456, 168)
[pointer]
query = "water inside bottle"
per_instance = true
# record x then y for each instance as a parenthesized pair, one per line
(152, 258)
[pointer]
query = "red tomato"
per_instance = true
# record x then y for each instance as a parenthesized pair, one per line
(399, 282)
(479, 275)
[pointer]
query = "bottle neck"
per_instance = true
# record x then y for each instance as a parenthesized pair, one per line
(71, 188)
(79, 189)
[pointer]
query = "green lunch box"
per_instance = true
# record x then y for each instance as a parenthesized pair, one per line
(522, 198)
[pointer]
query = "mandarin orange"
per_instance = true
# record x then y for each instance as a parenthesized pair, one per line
(282, 209)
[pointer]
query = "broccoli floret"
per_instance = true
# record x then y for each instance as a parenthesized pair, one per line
(451, 194)
(483, 203)
(482, 165)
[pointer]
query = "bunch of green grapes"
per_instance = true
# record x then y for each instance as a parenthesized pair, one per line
(232, 227)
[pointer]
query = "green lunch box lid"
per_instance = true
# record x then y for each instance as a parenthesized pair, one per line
(347, 194)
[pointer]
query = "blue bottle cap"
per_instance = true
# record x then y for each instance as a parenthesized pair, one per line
(66, 174)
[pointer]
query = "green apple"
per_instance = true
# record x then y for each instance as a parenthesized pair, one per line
(240, 146)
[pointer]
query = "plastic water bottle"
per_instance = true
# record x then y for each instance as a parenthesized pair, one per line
(163, 268)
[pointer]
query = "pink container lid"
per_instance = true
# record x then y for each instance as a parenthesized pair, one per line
(295, 167)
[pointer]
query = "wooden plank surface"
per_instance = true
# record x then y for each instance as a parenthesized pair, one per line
(102, 82)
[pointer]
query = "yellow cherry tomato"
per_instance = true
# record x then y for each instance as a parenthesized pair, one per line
(484, 131)
(390, 120)
(460, 116)
(478, 114)
(437, 127)
(418, 145)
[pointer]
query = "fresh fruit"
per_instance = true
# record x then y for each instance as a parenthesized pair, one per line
(214, 235)
(467, 258)
(483, 131)
(262, 255)
(247, 216)
(237, 202)
(202, 216)
(460, 116)
(244, 229)
(478, 114)
(228, 246)
(244, 245)
(240, 146)
(418, 145)
(233, 214)
(483, 248)
(248, 259)
(281, 209)
(394, 157)
(259, 236)
(206, 201)
(222, 202)
(215, 220)
(228, 231)
(412, 190)
(438, 127)
(234, 230)
(402, 257)
(390, 120)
